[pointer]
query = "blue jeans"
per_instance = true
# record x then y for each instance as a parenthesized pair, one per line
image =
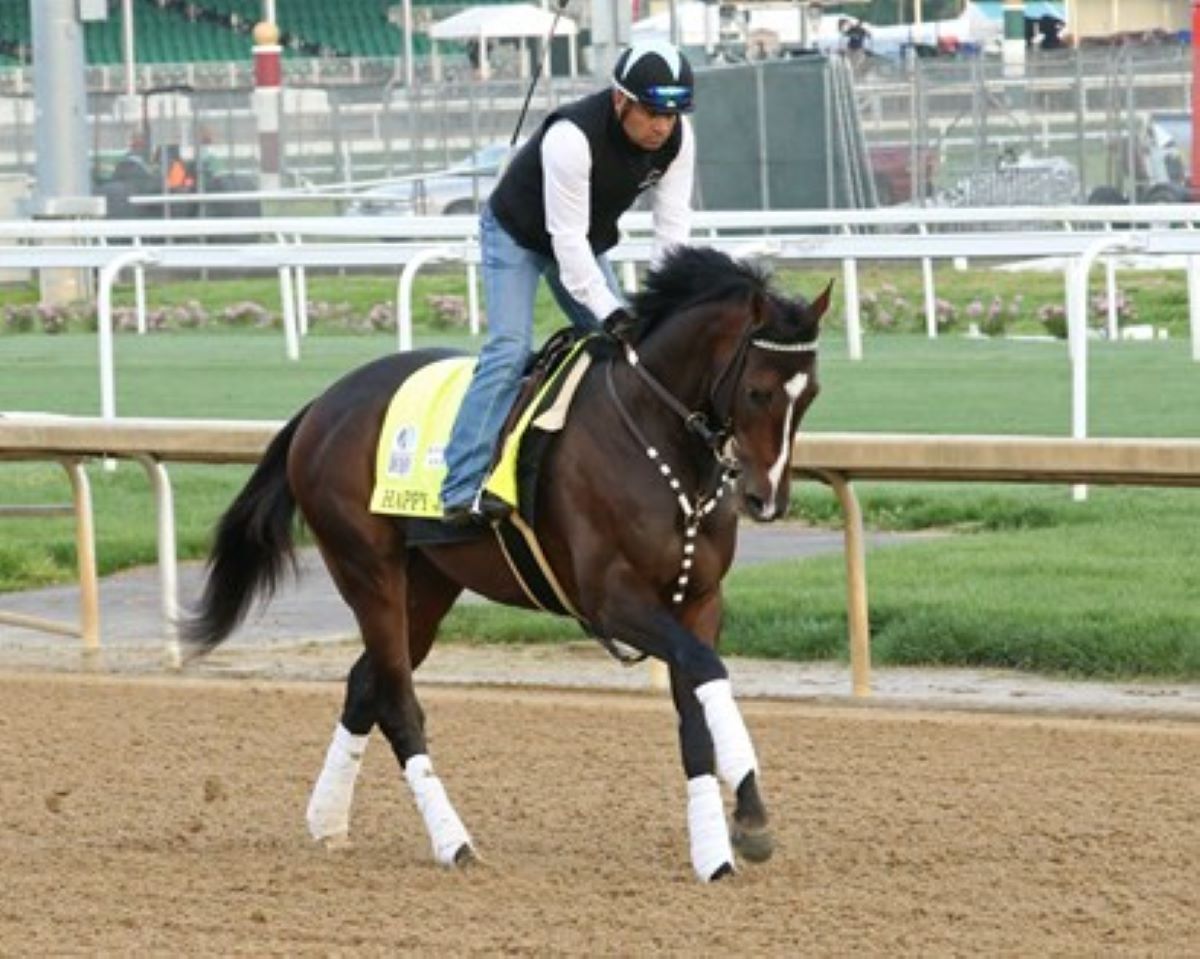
(510, 281)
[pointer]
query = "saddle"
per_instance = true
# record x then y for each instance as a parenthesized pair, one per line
(516, 536)
(541, 367)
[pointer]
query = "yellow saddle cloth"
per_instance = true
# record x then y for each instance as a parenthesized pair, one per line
(410, 462)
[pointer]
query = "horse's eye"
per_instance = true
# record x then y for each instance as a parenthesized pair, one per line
(759, 397)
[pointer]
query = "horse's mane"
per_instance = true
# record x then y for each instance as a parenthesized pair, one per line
(692, 275)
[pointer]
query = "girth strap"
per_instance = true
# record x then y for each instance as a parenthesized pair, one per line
(528, 563)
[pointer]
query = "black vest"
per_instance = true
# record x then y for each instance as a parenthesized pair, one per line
(620, 171)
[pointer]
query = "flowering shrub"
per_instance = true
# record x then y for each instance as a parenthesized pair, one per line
(448, 310)
(993, 321)
(1053, 317)
(885, 310)
(248, 313)
(19, 319)
(30, 317)
(192, 315)
(1126, 311)
(994, 318)
(381, 317)
(323, 313)
(946, 313)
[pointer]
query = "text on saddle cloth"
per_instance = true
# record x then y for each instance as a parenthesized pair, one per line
(410, 462)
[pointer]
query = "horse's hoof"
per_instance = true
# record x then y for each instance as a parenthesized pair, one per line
(466, 856)
(335, 842)
(753, 845)
(726, 869)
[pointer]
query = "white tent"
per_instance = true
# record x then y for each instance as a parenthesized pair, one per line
(509, 21)
(694, 31)
(700, 24)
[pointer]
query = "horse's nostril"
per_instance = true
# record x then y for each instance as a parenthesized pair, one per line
(757, 506)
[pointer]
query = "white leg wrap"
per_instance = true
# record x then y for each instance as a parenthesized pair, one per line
(731, 740)
(446, 830)
(329, 806)
(711, 848)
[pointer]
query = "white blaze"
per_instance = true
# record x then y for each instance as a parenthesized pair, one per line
(794, 387)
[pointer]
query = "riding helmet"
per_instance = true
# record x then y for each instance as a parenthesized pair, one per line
(657, 75)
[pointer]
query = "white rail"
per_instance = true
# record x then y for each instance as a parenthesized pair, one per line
(416, 247)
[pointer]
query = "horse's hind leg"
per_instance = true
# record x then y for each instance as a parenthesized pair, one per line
(328, 813)
(379, 691)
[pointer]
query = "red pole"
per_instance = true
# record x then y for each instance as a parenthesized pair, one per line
(1194, 180)
(268, 76)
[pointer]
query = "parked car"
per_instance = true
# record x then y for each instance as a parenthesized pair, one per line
(1161, 160)
(458, 189)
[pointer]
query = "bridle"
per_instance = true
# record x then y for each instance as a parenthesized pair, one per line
(697, 422)
(717, 439)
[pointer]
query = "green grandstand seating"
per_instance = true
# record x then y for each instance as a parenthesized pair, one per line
(349, 27)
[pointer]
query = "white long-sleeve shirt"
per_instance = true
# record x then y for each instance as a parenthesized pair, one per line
(567, 174)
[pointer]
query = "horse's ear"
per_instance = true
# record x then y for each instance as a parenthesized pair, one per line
(817, 308)
(758, 309)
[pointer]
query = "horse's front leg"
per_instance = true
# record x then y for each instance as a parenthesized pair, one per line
(713, 734)
(751, 838)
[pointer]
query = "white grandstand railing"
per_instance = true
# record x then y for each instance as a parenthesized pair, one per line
(774, 225)
(464, 226)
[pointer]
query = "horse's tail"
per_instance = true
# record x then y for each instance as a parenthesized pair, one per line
(252, 545)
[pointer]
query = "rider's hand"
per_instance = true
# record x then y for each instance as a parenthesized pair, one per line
(620, 325)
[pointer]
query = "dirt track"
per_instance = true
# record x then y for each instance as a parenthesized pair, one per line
(166, 817)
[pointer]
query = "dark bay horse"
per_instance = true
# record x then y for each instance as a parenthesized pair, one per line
(635, 509)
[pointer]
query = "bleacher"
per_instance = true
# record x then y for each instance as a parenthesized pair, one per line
(164, 35)
(191, 31)
(16, 31)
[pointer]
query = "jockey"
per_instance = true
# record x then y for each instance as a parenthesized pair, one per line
(554, 214)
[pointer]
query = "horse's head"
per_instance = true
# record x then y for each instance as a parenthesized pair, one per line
(778, 383)
(738, 354)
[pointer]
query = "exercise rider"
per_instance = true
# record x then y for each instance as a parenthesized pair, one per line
(554, 214)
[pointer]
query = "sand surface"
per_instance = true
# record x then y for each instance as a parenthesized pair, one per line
(157, 815)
